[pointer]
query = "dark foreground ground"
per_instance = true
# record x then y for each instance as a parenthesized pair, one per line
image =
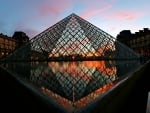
(16, 98)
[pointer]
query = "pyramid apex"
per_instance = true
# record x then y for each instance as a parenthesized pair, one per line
(73, 14)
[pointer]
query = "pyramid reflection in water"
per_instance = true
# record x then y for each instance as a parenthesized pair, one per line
(72, 85)
(73, 38)
(74, 80)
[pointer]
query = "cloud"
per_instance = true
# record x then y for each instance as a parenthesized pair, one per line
(47, 10)
(54, 7)
(95, 12)
(24, 27)
(30, 32)
(95, 7)
(124, 15)
(117, 27)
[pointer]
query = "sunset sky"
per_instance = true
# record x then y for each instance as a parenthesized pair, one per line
(112, 16)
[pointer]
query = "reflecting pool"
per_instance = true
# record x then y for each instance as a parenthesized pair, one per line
(72, 86)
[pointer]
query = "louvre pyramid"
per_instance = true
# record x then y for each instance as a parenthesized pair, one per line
(72, 38)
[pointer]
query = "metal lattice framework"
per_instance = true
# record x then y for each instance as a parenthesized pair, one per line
(73, 38)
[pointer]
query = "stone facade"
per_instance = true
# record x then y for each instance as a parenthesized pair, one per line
(9, 44)
(138, 41)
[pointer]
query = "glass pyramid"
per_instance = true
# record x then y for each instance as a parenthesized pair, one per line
(72, 38)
